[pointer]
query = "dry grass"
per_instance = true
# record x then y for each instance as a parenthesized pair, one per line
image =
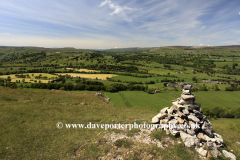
(32, 77)
(84, 70)
(90, 76)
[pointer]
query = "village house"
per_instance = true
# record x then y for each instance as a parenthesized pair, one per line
(215, 82)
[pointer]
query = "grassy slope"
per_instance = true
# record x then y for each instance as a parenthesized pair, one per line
(155, 102)
(211, 99)
(28, 125)
(28, 122)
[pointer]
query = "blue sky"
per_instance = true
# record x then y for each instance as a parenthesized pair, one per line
(100, 24)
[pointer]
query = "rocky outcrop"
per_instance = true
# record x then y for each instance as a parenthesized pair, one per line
(185, 118)
(229, 155)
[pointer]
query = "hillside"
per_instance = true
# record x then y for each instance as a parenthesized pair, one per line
(28, 120)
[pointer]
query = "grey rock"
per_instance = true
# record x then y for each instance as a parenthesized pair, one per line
(175, 103)
(173, 121)
(187, 87)
(199, 116)
(207, 128)
(195, 111)
(174, 132)
(229, 155)
(185, 112)
(211, 145)
(202, 137)
(179, 114)
(186, 107)
(180, 127)
(155, 119)
(181, 102)
(164, 110)
(189, 101)
(218, 138)
(167, 132)
(185, 91)
(161, 116)
(193, 106)
(168, 111)
(190, 132)
(215, 153)
(187, 97)
(164, 121)
(173, 109)
(188, 140)
(202, 152)
(193, 118)
(170, 116)
(180, 107)
(180, 120)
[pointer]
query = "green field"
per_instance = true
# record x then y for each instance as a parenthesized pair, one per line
(155, 102)
(29, 112)
(143, 80)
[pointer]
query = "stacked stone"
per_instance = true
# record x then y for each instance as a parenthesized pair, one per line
(193, 127)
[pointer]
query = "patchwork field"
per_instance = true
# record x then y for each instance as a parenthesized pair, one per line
(90, 76)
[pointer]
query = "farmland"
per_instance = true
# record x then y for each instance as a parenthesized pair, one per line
(43, 77)
(90, 76)
(40, 87)
(156, 102)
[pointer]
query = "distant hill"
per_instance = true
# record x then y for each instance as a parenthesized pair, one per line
(134, 49)
(7, 49)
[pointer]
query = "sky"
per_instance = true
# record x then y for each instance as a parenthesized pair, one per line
(102, 24)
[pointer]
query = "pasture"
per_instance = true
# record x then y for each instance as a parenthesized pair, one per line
(143, 80)
(157, 101)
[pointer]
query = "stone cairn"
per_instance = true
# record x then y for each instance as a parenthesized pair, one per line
(193, 127)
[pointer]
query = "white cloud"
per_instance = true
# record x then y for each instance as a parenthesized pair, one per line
(201, 44)
(117, 9)
(203, 27)
(239, 13)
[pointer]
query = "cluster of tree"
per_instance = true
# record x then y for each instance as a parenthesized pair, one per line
(120, 87)
(172, 81)
(21, 76)
(199, 88)
(230, 70)
(24, 56)
(83, 85)
(83, 81)
(233, 87)
(218, 112)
